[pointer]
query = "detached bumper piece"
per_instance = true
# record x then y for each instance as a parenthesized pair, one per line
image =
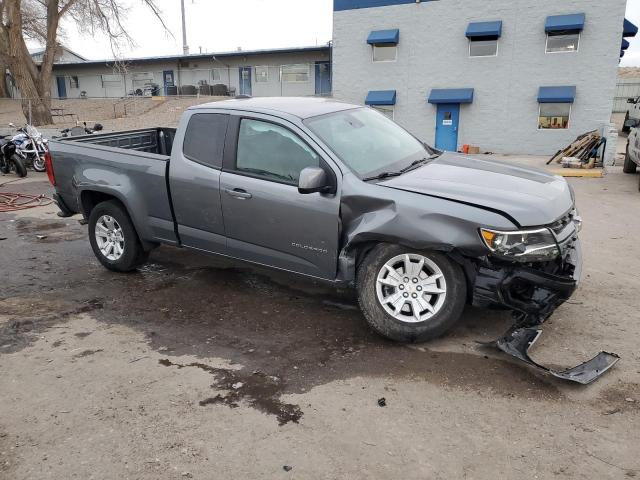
(517, 342)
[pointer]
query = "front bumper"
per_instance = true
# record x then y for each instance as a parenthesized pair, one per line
(533, 293)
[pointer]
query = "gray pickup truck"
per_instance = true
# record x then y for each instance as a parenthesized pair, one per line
(333, 191)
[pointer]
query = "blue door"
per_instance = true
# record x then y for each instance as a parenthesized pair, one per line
(167, 76)
(447, 126)
(62, 87)
(323, 78)
(245, 81)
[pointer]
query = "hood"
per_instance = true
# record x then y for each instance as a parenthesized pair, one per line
(530, 197)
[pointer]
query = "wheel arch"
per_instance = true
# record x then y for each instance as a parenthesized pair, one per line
(352, 255)
(90, 198)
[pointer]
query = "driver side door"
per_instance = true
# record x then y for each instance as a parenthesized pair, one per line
(267, 221)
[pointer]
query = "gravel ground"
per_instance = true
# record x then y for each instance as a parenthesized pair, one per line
(196, 368)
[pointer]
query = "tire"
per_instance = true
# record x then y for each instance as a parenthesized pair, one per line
(21, 170)
(625, 128)
(445, 308)
(129, 254)
(5, 167)
(38, 165)
(629, 166)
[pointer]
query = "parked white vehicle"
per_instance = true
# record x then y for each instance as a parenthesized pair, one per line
(632, 155)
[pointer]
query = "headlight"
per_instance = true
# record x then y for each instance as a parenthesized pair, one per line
(523, 245)
(577, 219)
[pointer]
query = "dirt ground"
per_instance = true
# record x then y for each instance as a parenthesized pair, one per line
(112, 113)
(196, 368)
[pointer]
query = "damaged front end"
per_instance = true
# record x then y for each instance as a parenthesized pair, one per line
(533, 291)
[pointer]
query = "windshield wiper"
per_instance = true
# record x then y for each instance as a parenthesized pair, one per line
(415, 164)
(382, 176)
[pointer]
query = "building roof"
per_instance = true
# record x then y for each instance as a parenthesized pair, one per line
(201, 56)
(301, 107)
(40, 50)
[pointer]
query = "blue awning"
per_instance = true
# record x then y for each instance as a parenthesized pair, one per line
(381, 97)
(625, 44)
(451, 95)
(565, 23)
(384, 37)
(484, 30)
(630, 30)
(557, 94)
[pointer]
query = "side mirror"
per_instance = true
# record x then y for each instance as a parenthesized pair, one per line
(312, 180)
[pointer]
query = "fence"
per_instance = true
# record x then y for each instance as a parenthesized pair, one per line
(625, 89)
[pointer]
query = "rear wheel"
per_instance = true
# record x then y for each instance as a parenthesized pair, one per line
(628, 166)
(21, 170)
(410, 295)
(114, 239)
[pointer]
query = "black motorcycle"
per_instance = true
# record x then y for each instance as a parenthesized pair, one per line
(9, 159)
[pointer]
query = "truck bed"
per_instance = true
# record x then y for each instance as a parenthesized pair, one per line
(131, 165)
(151, 140)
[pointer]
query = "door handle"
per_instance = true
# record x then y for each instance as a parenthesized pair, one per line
(238, 193)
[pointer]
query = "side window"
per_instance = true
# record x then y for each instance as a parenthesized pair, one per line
(204, 138)
(273, 152)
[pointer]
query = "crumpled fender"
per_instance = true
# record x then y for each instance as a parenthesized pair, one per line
(374, 213)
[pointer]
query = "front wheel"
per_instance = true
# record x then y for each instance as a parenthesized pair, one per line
(410, 295)
(114, 239)
(38, 164)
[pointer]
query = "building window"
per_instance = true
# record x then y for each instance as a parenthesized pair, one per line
(73, 82)
(386, 110)
(262, 74)
(554, 116)
(385, 53)
(483, 48)
(294, 73)
(561, 43)
(215, 75)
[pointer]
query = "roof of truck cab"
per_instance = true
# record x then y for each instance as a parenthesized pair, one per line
(301, 107)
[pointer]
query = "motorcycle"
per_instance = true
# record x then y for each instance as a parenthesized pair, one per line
(30, 146)
(81, 130)
(9, 160)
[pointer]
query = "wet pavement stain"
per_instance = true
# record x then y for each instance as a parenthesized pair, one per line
(82, 334)
(256, 389)
(46, 231)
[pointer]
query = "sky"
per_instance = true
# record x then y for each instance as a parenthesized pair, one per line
(223, 25)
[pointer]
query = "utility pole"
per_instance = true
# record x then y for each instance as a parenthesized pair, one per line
(185, 47)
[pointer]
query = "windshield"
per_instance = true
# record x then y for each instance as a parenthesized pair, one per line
(367, 141)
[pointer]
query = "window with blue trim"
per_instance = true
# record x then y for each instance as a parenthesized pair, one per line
(554, 116)
(483, 48)
(562, 43)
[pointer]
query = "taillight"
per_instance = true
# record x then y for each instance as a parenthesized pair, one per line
(48, 164)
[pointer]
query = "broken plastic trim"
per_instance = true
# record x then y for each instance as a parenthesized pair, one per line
(517, 341)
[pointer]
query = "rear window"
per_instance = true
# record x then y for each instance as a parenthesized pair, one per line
(204, 138)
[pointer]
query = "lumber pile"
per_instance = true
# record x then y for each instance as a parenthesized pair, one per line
(582, 152)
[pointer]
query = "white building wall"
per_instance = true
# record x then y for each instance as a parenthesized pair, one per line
(433, 53)
(225, 70)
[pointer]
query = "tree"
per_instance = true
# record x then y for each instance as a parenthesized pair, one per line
(22, 20)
